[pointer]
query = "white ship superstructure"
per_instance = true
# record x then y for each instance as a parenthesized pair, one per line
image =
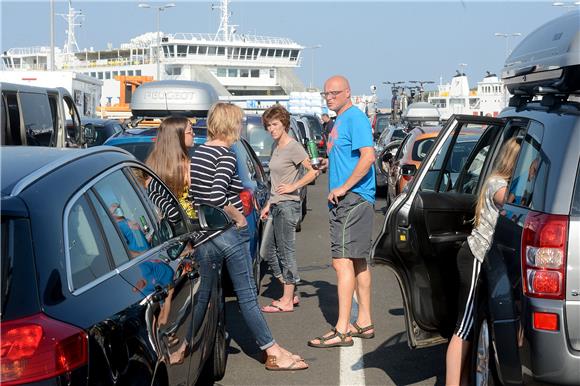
(235, 64)
(457, 98)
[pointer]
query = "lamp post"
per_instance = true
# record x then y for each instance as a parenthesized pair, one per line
(159, 9)
(507, 37)
(312, 63)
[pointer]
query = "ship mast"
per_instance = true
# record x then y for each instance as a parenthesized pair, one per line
(225, 30)
(70, 45)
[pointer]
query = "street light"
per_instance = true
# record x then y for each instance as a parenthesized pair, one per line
(312, 63)
(507, 37)
(159, 9)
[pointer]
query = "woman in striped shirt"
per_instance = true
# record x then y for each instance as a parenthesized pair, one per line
(214, 180)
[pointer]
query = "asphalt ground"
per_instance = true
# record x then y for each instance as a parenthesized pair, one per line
(384, 360)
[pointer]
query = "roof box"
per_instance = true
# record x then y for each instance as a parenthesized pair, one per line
(421, 112)
(167, 97)
(547, 60)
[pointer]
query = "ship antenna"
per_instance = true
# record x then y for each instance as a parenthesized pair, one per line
(225, 30)
(70, 45)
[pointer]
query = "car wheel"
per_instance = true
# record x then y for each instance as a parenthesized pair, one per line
(214, 368)
(484, 372)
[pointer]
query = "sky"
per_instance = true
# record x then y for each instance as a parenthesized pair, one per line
(368, 42)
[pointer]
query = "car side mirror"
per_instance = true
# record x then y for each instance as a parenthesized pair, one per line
(212, 218)
(385, 158)
(408, 170)
(90, 133)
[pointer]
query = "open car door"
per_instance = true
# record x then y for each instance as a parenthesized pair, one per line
(424, 228)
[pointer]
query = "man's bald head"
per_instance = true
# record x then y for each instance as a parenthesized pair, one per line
(339, 81)
(337, 93)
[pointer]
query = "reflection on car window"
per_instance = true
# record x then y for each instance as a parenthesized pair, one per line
(37, 119)
(246, 169)
(86, 249)
(116, 246)
(532, 167)
(260, 140)
(169, 219)
(127, 211)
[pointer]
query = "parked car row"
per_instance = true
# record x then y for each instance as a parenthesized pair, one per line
(527, 309)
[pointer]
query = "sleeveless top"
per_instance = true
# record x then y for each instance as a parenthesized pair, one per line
(481, 236)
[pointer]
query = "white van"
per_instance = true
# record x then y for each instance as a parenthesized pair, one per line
(37, 116)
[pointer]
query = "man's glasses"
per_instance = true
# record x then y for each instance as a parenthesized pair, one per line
(327, 94)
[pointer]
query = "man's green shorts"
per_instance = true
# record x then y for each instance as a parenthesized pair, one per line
(351, 227)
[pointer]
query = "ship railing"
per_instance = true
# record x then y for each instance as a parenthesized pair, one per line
(237, 38)
(28, 51)
(113, 62)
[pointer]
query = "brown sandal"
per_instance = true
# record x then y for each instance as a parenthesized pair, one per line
(272, 365)
(361, 332)
(323, 339)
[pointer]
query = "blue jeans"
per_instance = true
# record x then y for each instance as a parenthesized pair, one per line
(232, 247)
(280, 241)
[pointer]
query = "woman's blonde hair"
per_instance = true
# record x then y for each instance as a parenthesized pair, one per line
(169, 153)
(503, 168)
(224, 121)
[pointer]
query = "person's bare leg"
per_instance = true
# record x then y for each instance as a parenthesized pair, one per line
(454, 361)
(363, 294)
(287, 299)
(345, 284)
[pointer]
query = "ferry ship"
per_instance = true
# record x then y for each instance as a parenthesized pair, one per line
(236, 65)
(456, 97)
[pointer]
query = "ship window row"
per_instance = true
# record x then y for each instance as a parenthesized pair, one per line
(222, 72)
(239, 53)
(103, 75)
(491, 89)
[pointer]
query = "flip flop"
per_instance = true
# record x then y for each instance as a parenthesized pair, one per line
(273, 309)
(272, 365)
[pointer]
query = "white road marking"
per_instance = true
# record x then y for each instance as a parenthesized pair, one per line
(351, 358)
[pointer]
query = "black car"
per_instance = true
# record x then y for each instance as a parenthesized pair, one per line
(527, 310)
(98, 286)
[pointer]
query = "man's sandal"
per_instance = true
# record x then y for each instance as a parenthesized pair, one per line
(361, 332)
(335, 334)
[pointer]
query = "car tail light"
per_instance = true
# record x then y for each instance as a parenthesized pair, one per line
(545, 321)
(247, 199)
(544, 242)
(38, 347)
(321, 143)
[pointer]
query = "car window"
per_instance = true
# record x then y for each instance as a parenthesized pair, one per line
(140, 150)
(37, 119)
(85, 245)
(382, 123)
(260, 140)
(168, 218)
(246, 169)
(398, 134)
(452, 158)
(314, 124)
(127, 212)
(529, 179)
(14, 137)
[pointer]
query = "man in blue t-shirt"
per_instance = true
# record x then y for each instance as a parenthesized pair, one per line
(351, 180)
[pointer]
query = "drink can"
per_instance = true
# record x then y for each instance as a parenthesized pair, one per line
(313, 152)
